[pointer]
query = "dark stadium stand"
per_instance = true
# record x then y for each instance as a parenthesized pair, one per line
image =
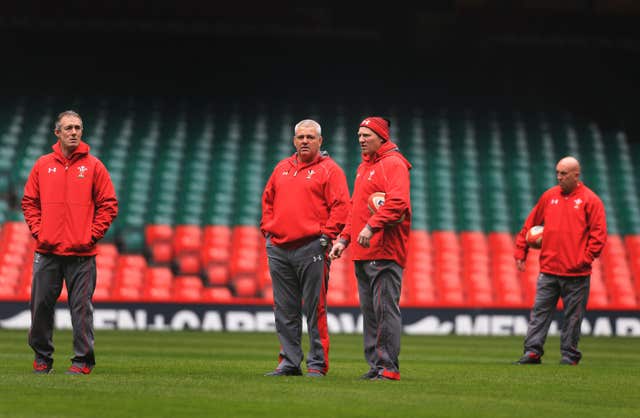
(190, 107)
(189, 178)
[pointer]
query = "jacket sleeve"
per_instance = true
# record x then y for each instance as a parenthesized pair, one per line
(31, 202)
(267, 204)
(597, 221)
(536, 217)
(345, 235)
(336, 194)
(106, 203)
(397, 194)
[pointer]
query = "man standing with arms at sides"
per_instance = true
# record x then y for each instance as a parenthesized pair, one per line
(69, 203)
(380, 250)
(304, 207)
(575, 232)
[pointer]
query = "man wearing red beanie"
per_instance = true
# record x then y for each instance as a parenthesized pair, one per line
(380, 252)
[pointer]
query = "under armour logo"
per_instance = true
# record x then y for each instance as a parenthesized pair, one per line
(366, 122)
(317, 258)
(554, 201)
(52, 169)
(285, 173)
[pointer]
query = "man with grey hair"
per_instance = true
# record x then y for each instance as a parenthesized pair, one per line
(575, 232)
(69, 203)
(304, 207)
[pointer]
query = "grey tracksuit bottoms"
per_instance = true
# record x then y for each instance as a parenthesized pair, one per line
(300, 277)
(574, 292)
(379, 287)
(79, 273)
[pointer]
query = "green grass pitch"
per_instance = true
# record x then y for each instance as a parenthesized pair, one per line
(200, 374)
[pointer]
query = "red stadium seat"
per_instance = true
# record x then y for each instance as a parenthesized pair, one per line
(105, 277)
(217, 235)
(215, 253)
(598, 297)
(267, 294)
(632, 243)
(187, 239)
(245, 286)
(132, 260)
(617, 274)
(102, 294)
(188, 263)
(187, 287)
(475, 268)
(447, 272)
(217, 294)
(126, 293)
(157, 233)
(161, 252)
(505, 276)
(158, 277)
(157, 294)
(217, 274)
(244, 260)
(7, 292)
(107, 250)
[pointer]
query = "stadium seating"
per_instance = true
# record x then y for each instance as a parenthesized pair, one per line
(189, 177)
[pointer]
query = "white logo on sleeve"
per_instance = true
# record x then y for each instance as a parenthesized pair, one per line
(555, 201)
(52, 169)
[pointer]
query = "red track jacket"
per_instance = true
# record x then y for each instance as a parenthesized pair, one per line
(388, 172)
(69, 204)
(575, 231)
(303, 201)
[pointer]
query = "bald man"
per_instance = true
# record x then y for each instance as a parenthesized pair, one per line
(575, 232)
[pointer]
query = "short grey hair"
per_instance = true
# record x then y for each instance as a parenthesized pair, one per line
(308, 122)
(67, 113)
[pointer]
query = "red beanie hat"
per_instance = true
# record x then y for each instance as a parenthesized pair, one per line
(378, 125)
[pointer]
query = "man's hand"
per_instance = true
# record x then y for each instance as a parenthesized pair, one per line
(336, 250)
(520, 265)
(364, 236)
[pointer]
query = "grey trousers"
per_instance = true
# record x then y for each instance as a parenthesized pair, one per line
(379, 287)
(300, 278)
(574, 292)
(79, 273)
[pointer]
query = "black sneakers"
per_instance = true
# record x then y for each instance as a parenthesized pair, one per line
(371, 374)
(285, 372)
(568, 362)
(41, 367)
(529, 358)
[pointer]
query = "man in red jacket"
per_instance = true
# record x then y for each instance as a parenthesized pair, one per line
(381, 251)
(575, 232)
(304, 207)
(69, 203)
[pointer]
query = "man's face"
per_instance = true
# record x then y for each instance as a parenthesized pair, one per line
(369, 141)
(70, 132)
(307, 143)
(567, 176)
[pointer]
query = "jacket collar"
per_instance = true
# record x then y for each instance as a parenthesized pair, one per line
(82, 149)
